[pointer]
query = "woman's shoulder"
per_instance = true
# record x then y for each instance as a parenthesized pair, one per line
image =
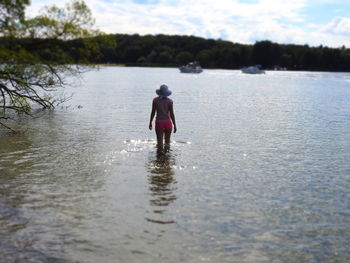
(156, 99)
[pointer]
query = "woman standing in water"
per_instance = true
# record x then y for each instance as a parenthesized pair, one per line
(165, 118)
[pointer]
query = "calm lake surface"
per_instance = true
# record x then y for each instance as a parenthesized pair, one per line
(259, 171)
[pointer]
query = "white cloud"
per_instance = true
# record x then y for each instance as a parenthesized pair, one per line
(277, 20)
(232, 18)
(338, 26)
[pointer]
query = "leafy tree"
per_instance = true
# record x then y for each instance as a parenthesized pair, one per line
(286, 61)
(37, 55)
(165, 57)
(132, 53)
(205, 57)
(183, 57)
(266, 53)
(310, 59)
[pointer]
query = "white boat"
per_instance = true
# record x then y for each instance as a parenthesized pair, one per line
(253, 70)
(192, 67)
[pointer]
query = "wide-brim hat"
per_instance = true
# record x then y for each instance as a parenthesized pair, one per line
(163, 91)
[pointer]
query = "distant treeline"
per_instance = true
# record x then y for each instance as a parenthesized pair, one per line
(175, 50)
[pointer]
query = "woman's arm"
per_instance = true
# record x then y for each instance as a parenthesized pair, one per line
(172, 116)
(152, 115)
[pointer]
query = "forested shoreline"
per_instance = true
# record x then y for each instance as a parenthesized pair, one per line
(175, 50)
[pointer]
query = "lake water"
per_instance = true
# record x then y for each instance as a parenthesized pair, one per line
(259, 171)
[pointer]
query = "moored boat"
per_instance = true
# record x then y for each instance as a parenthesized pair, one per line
(191, 67)
(253, 70)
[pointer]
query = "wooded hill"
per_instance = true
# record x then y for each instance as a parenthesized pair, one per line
(174, 50)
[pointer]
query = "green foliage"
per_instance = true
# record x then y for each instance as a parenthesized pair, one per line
(206, 57)
(183, 57)
(165, 50)
(21, 105)
(11, 16)
(73, 21)
(266, 53)
(38, 55)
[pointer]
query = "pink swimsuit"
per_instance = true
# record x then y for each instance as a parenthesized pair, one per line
(162, 106)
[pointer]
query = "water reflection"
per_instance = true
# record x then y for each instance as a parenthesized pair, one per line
(161, 183)
(50, 183)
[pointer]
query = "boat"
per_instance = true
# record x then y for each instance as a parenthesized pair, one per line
(253, 70)
(192, 67)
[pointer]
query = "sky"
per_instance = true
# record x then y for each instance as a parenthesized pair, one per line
(311, 22)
